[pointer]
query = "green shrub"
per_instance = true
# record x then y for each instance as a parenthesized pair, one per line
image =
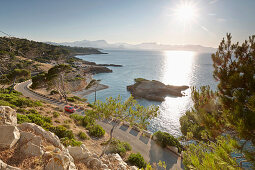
(21, 110)
(138, 80)
(87, 121)
(79, 99)
(15, 99)
(40, 120)
(137, 160)
(55, 114)
(83, 135)
(5, 103)
(96, 130)
(33, 111)
(70, 142)
(90, 105)
(22, 119)
(57, 121)
(77, 118)
(68, 121)
(119, 147)
(66, 126)
(165, 139)
(70, 99)
(53, 92)
(62, 132)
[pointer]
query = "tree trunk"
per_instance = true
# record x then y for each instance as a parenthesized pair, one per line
(12, 85)
(109, 141)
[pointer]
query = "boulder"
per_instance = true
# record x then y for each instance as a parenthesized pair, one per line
(30, 149)
(61, 161)
(4, 166)
(118, 160)
(79, 152)
(30, 144)
(38, 130)
(133, 168)
(9, 136)
(8, 116)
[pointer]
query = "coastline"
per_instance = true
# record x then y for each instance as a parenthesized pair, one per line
(85, 92)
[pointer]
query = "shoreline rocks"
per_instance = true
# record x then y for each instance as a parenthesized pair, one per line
(154, 90)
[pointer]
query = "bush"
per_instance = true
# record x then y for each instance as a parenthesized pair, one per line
(165, 139)
(70, 142)
(53, 92)
(21, 110)
(96, 130)
(33, 111)
(87, 121)
(119, 147)
(90, 105)
(55, 114)
(15, 99)
(138, 80)
(70, 99)
(83, 120)
(137, 160)
(23, 119)
(5, 103)
(62, 132)
(40, 120)
(83, 135)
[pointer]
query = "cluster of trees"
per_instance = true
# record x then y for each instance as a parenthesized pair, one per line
(223, 122)
(54, 79)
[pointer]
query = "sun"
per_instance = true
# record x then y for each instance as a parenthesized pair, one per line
(186, 12)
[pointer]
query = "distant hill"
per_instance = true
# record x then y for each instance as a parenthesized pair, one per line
(33, 53)
(40, 51)
(102, 44)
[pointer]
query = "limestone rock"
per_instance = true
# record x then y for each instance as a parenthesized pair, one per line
(133, 168)
(38, 130)
(8, 116)
(30, 149)
(79, 152)
(61, 161)
(9, 136)
(4, 166)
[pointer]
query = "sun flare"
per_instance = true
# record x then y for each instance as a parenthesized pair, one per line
(186, 12)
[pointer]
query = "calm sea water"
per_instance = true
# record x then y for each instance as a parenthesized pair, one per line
(169, 67)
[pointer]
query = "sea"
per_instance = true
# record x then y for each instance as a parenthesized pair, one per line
(170, 67)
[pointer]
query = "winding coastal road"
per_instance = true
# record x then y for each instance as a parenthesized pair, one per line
(150, 150)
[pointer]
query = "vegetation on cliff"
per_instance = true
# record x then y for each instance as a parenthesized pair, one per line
(222, 122)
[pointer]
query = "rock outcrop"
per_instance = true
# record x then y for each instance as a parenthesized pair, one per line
(9, 136)
(97, 69)
(154, 90)
(8, 116)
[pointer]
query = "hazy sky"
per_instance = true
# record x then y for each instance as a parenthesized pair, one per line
(131, 21)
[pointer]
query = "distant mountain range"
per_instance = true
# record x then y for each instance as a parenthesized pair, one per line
(102, 44)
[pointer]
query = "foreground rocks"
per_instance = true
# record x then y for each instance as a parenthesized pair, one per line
(154, 90)
(29, 146)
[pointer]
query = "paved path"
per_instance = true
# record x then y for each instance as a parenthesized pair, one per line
(151, 151)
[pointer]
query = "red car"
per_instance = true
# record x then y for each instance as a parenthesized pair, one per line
(70, 109)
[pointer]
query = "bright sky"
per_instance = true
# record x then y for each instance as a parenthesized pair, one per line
(202, 22)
